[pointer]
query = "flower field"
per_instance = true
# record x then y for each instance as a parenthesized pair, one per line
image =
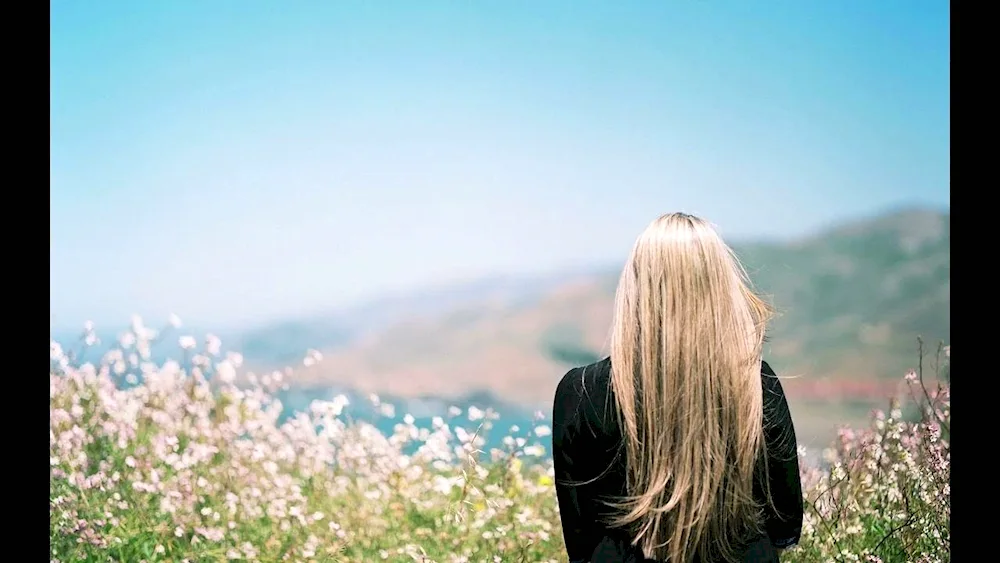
(187, 461)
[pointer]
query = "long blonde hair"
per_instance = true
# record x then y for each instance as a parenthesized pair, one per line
(686, 346)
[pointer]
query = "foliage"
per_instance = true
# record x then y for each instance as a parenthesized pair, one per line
(886, 495)
(185, 461)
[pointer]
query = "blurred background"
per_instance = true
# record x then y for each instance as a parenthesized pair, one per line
(438, 195)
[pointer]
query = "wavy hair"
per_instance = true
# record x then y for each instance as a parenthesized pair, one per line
(686, 346)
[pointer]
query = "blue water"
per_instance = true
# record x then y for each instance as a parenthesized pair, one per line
(296, 400)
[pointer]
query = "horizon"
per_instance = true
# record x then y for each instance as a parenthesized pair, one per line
(267, 165)
(452, 285)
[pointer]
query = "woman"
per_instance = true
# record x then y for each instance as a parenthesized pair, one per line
(679, 447)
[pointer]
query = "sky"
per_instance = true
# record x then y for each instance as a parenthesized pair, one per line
(236, 162)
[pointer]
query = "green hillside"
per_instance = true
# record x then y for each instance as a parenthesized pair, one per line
(858, 294)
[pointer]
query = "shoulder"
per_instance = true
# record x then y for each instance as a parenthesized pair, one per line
(582, 394)
(584, 380)
(770, 381)
(776, 412)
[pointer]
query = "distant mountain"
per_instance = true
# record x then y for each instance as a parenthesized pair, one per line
(284, 342)
(852, 298)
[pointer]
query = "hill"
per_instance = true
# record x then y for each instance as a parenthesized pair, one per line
(852, 299)
(279, 343)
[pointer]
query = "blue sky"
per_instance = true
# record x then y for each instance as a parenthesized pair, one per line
(241, 161)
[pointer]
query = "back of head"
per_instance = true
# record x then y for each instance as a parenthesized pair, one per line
(685, 353)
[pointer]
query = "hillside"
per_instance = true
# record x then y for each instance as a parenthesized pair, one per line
(852, 300)
(284, 342)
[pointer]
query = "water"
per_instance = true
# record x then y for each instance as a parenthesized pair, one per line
(360, 409)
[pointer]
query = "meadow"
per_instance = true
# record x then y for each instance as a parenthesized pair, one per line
(191, 461)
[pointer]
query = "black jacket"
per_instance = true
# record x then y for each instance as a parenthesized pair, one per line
(587, 445)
